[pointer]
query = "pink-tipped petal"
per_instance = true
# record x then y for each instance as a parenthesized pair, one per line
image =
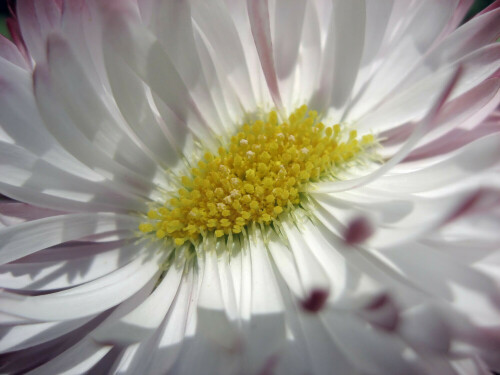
(358, 231)
(315, 301)
(381, 312)
(258, 11)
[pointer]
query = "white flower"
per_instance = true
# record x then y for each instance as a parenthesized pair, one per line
(150, 232)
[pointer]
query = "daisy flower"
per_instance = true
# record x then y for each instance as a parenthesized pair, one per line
(259, 187)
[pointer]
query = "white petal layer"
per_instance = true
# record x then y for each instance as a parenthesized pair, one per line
(66, 266)
(141, 322)
(27, 238)
(87, 299)
(34, 180)
(110, 99)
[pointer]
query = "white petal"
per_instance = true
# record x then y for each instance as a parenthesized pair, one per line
(381, 312)
(142, 321)
(258, 14)
(65, 130)
(284, 260)
(11, 53)
(312, 273)
(472, 366)
(263, 278)
(342, 55)
(87, 299)
(228, 34)
(404, 45)
(148, 59)
(398, 218)
(412, 100)
(465, 163)
(37, 19)
(325, 352)
(95, 118)
(331, 263)
(78, 359)
(12, 213)
(28, 335)
(377, 22)
(76, 265)
(464, 120)
(289, 28)
(467, 39)
(131, 96)
(370, 276)
(241, 272)
(228, 290)
(429, 119)
(309, 56)
(223, 93)
(372, 350)
(173, 25)
(264, 338)
(349, 18)
(80, 25)
(213, 318)
(23, 174)
(425, 327)
(444, 277)
(22, 125)
(27, 238)
(176, 326)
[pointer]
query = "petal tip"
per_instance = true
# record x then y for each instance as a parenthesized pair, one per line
(358, 231)
(382, 313)
(315, 301)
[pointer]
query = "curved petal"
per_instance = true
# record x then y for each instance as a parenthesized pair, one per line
(66, 266)
(429, 119)
(37, 19)
(11, 53)
(142, 321)
(147, 58)
(23, 172)
(87, 299)
(12, 213)
(65, 130)
(78, 359)
(467, 162)
(95, 118)
(29, 335)
(258, 13)
(27, 238)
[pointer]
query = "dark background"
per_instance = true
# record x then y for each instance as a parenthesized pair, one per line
(3, 7)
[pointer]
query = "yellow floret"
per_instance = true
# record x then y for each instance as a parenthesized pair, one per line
(254, 178)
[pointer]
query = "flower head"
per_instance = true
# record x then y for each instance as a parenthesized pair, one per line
(230, 187)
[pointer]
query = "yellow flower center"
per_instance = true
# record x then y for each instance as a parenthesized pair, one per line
(256, 178)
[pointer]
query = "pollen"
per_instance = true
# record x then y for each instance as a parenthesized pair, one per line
(260, 175)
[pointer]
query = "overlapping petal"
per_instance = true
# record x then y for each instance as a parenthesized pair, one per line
(393, 270)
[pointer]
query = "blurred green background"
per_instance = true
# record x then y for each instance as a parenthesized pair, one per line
(478, 6)
(3, 27)
(4, 12)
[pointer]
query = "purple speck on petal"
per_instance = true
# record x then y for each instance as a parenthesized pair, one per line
(476, 203)
(315, 300)
(358, 230)
(269, 365)
(382, 313)
(378, 302)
